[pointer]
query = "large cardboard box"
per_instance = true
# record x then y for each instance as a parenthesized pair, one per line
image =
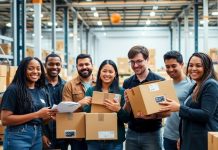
(101, 126)
(3, 84)
(98, 99)
(70, 125)
(212, 140)
(12, 71)
(123, 65)
(145, 98)
(3, 70)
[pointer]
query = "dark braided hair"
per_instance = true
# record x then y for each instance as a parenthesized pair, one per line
(24, 99)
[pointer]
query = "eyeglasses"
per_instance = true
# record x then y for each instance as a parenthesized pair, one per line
(138, 62)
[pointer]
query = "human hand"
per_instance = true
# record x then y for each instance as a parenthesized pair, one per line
(112, 105)
(143, 116)
(178, 144)
(170, 105)
(85, 101)
(44, 113)
(46, 141)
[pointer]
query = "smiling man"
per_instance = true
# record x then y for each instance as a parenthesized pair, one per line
(54, 87)
(174, 67)
(75, 89)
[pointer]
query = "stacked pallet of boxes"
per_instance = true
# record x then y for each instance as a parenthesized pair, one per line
(29, 52)
(60, 49)
(152, 64)
(3, 75)
(10, 74)
(6, 47)
(214, 56)
(123, 68)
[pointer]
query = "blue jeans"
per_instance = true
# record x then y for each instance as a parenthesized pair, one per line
(76, 144)
(23, 137)
(170, 144)
(118, 146)
(100, 145)
(143, 141)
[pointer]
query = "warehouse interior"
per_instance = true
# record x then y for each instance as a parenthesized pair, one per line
(105, 29)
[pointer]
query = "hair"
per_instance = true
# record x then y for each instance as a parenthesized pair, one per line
(174, 55)
(52, 55)
(137, 50)
(82, 56)
(209, 72)
(115, 84)
(24, 99)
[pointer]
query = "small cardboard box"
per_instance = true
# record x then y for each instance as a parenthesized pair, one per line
(101, 126)
(98, 99)
(212, 140)
(145, 98)
(70, 125)
(96, 108)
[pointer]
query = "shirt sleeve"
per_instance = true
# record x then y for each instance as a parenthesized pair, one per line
(9, 99)
(67, 92)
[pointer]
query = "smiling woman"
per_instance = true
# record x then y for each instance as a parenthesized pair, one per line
(24, 108)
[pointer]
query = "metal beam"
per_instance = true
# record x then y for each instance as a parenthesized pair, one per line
(66, 35)
(196, 25)
(129, 4)
(53, 18)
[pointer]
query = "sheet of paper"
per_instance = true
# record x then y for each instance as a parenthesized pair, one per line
(66, 106)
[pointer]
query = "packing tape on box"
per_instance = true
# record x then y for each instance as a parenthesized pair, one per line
(100, 117)
(69, 116)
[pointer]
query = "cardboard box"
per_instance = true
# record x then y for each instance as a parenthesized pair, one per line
(3, 70)
(70, 125)
(145, 98)
(59, 45)
(6, 47)
(12, 71)
(212, 140)
(29, 52)
(96, 108)
(3, 84)
(9, 80)
(123, 65)
(98, 99)
(101, 126)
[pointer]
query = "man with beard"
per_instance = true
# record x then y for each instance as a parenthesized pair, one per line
(54, 87)
(75, 89)
(144, 131)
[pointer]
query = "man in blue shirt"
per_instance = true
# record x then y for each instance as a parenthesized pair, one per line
(144, 131)
(54, 87)
(174, 67)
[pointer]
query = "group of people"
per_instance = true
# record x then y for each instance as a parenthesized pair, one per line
(30, 123)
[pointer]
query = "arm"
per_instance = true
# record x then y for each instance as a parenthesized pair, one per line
(209, 104)
(67, 92)
(8, 118)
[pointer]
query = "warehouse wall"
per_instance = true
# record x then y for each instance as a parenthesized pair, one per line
(117, 43)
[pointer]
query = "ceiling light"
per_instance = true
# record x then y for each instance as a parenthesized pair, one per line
(148, 22)
(96, 14)
(8, 24)
(50, 23)
(215, 13)
(93, 9)
(105, 34)
(40, 15)
(99, 23)
(155, 7)
(152, 13)
(71, 35)
(102, 28)
(88, 0)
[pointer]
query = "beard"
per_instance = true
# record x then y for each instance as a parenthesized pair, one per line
(85, 73)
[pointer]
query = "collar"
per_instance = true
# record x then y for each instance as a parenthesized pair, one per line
(60, 81)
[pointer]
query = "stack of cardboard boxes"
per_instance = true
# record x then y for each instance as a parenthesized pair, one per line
(6, 47)
(212, 140)
(152, 63)
(100, 124)
(10, 74)
(3, 75)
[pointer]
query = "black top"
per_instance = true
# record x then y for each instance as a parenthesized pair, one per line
(9, 101)
(55, 97)
(138, 124)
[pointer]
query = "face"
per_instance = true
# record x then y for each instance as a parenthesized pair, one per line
(84, 67)
(195, 68)
(53, 66)
(173, 68)
(107, 74)
(33, 71)
(139, 64)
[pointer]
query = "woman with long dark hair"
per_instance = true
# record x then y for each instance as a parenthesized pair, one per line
(199, 114)
(108, 81)
(23, 107)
